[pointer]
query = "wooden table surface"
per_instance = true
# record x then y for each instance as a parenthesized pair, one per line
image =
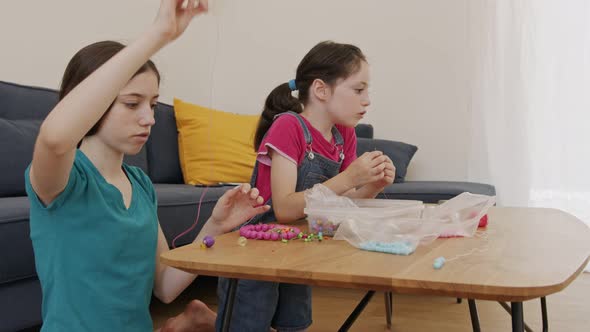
(531, 252)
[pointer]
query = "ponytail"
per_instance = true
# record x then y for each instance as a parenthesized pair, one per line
(278, 101)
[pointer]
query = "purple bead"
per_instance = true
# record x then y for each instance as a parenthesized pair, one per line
(259, 235)
(251, 234)
(258, 228)
(290, 235)
(266, 236)
(265, 228)
(274, 236)
(208, 241)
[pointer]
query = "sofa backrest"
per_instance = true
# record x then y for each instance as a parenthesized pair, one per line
(162, 147)
(22, 109)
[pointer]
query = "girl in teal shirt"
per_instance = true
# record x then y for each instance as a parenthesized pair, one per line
(94, 224)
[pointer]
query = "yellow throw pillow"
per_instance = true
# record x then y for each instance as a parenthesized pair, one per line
(214, 146)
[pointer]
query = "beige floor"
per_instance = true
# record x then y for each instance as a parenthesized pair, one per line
(567, 310)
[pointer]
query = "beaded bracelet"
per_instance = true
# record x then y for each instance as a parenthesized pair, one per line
(270, 232)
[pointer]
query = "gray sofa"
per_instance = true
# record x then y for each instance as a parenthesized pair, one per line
(22, 109)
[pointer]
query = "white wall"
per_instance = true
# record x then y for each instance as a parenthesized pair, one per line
(232, 58)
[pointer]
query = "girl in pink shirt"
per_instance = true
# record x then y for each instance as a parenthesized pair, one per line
(303, 140)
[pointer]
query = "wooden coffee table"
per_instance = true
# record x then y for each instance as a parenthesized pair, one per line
(532, 253)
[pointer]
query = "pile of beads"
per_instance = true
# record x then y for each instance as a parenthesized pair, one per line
(398, 248)
(270, 232)
(325, 227)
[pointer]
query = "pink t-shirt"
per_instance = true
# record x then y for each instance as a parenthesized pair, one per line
(286, 137)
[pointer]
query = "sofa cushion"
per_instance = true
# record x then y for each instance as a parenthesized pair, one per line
(19, 102)
(16, 248)
(364, 130)
(20, 306)
(434, 191)
(162, 147)
(400, 153)
(17, 139)
(214, 146)
(177, 209)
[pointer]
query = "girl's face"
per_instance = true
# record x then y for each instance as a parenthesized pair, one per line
(349, 98)
(126, 126)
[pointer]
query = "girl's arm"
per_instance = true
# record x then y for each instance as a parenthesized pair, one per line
(235, 207)
(288, 205)
(81, 109)
(169, 282)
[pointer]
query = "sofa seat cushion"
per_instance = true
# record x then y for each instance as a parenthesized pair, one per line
(20, 305)
(434, 191)
(16, 248)
(177, 209)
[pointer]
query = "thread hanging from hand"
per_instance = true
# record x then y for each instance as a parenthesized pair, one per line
(211, 84)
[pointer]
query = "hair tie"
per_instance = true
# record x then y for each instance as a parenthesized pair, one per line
(292, 85)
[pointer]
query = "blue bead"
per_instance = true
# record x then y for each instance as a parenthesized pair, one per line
(439, 262)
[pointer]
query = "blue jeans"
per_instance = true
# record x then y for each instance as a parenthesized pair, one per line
(258, 305)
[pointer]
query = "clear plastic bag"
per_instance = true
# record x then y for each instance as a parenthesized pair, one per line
(325, 210)
(392, 226)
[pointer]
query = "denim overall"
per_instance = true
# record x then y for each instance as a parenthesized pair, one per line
(286, 307)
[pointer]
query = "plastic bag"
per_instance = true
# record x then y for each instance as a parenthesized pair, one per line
(325, 210)
(392, 226)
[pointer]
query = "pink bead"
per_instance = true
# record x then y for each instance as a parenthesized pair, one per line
(265, 228)
(251, 235)
(259, 235)
(258, 227)
(296, 230)
(266, 236)
(290, 235)
(274, 236)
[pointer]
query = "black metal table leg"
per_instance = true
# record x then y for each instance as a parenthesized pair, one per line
(509, 311)
(229, 305)
(517, 317)
(357, 311)
(474, 317)
(388, 307)
(544, 314)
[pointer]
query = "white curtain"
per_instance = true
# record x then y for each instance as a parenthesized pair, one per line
(530, 101)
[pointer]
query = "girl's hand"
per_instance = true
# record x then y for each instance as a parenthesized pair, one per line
(368, 168)
(388, 175)
(237, 206)
(173, 18)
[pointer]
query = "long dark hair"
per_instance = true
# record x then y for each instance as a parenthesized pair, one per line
(89, 59)
(328, 61)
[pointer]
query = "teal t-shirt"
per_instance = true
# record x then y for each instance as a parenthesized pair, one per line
(95, 258)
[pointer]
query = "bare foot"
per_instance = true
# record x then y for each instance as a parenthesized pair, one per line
(196, 317)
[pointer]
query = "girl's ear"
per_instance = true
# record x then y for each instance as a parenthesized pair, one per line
(320, 89)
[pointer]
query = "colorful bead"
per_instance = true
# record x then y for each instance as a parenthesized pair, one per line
(208, 241)
(439, 262)
(242, 241)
